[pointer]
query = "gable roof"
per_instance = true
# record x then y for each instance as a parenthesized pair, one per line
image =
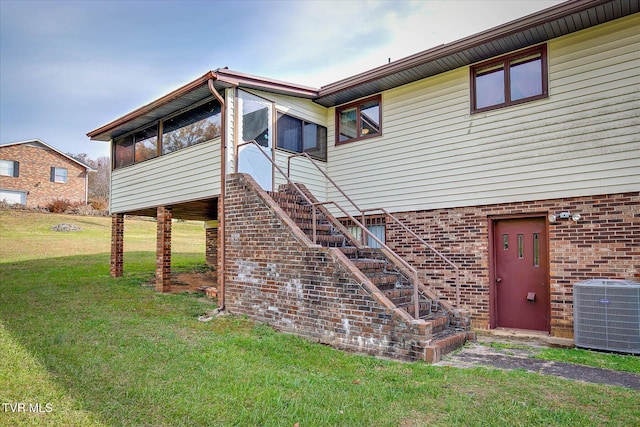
(556, 21)
(37, 141)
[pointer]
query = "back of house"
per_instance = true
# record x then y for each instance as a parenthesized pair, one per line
(489, 175)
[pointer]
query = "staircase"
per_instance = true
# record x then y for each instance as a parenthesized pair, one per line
(448, 327)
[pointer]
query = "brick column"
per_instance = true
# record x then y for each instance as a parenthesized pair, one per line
(117, 245)
(163, 250)
(211, 242)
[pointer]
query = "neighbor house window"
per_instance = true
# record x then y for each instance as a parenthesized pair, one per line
(58, 175)
(509, 80)
(300, 136)
(9, 168)
(358, 120)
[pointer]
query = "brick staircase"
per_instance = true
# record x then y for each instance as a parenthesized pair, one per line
(449, 328)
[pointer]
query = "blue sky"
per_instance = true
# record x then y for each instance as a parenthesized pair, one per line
(68, 67)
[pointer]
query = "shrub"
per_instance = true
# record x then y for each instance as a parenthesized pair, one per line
(59, 205)
(99, 204)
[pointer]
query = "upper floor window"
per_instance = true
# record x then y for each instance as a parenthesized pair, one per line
(199, 124)
(192, 127)
(9, 168)
(300, 136)
(359, 120)
(136, 147)
(509, 80)
(58, 175)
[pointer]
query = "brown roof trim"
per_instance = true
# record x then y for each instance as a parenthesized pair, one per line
(223, 75)
(518, 25)
(153, 105)
(237, 78)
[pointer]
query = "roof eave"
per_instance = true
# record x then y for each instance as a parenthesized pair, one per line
(501, 31)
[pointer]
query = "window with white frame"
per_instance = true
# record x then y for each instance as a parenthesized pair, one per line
(378, 230)
(9, 168)
(58, 175)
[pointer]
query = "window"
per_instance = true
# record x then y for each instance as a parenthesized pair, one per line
(509, 80)
(377, 230)
(358, 120)
(256, 119)
(299, 136)
(58, 175)
(198, 124)
(145, 144)
(9, 168)
(192, 127)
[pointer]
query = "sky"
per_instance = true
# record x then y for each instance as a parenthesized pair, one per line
(69, 67)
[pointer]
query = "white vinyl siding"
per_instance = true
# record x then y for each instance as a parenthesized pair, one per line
(185, 175)
(582, 140)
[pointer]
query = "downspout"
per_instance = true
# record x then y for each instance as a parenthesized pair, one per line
(223, 174)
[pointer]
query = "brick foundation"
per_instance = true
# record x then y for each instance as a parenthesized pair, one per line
(605, 242)
(117, 245)
(163, 250)
(274, 274)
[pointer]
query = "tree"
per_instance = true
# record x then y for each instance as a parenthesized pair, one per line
(99, 180)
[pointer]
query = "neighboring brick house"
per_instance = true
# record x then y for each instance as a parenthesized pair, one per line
(34, 174)
(514, 154)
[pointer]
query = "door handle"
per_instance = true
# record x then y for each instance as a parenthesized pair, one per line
(499, 280)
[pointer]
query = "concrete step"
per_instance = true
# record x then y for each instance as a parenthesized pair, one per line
(445, 342)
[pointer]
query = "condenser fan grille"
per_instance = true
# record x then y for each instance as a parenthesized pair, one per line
(607, 315)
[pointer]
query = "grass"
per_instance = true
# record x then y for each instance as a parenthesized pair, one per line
(598, 359)
(109, 352)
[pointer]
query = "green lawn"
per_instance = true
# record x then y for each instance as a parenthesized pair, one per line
(96, 351)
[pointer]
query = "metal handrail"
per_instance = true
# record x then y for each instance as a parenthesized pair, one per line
(293, 184)
(425, 243)
(385, 212)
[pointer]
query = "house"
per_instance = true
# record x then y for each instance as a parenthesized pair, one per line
(466, 186)
(34, 174)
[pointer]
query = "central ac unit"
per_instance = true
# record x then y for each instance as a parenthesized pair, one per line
(607, 315)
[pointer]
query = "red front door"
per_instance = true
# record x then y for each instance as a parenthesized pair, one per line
(521, 274)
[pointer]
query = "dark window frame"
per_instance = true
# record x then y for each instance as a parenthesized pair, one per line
(15, 168)
(357, 105)
(506, 61)
(129, 138)
(54, 175)
(303, 122)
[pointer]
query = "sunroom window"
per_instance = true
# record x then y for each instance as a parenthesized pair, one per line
(198, 124)
(300, 136)
(192, 127)
(359, 120)
(509, 80)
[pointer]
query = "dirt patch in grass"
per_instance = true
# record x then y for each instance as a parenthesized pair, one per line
(192, 282)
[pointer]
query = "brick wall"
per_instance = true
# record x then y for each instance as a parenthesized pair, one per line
(211, 246)
(163, 249)
(34, 176)
(274, 274)
(117, 245)
(605, 242)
